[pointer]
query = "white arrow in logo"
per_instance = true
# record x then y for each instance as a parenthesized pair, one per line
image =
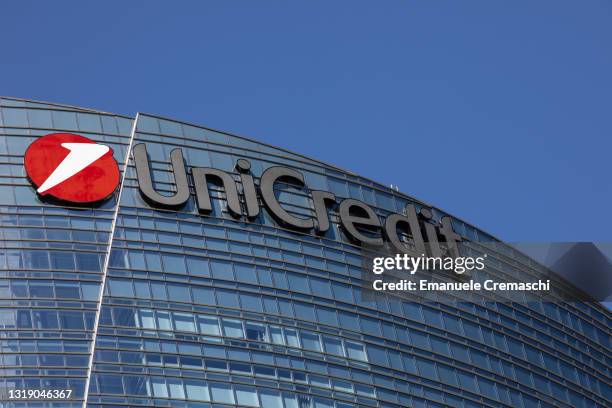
(81, 155)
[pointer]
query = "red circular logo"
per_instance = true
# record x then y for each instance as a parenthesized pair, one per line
(72, 168)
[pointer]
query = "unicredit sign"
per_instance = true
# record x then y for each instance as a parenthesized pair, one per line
(358, 220)
(71, 168)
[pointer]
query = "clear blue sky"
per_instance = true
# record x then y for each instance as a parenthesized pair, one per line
(512, 100)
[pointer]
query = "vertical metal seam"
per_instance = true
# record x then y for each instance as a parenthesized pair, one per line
(106, 262)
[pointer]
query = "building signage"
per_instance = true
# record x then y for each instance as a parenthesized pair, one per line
(357, 219)
(71, 168)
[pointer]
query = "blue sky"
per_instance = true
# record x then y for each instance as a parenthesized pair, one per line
(496, 112)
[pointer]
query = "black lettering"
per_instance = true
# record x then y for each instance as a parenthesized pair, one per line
(320, 200)
(268, 179)
(201, 176)
(394, 221)
(248, 188)
(354, 213)
(145, 183)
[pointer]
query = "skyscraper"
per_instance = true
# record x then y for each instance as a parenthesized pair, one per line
(158, 297)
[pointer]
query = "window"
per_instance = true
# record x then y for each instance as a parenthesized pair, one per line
(447, 375)
(176, 388)
(349, 321)
(310, 341)
(74, 320)
(467, 381)
(209, 325)
(333, 346)
(174, 263)
(427, 369)
(67, 290)
(226, 298)
(292, 338)
(222, 270)
(62, 260)
(232, 328)
(321, 288)
(163, 320)
(203, 296)
(255, 331)
(277, 335)
(87, 262)
(370, 326)
(159, 387)
(110, 384)
(147, 320)
(246, 396)
(41, 289)
(298, 283)
(245, 273)
(45, 319)
(197, 390)
(221, 393)
(121, 288)
(319, 381)
(142, 289)
(270, 399)
(136, 385)
(159, 291)
(304, 311)
(355, 350)
(184, 322)
(251, 302)
(343, 292)
(178, 293)
(197, 266)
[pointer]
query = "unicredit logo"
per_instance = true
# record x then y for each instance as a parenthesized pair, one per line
(72, 168)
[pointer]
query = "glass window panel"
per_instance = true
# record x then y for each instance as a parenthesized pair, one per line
(427, 369)
(251, 302)
(304, 311)
(45, 319)
(467, 381)
(270, 399)
(110, 384)
(333, 346)
(87, 262)
(163, 320)
(176, 388)
(121, 288)
(355, 350)
(203, 295)
(184, 321)
(292, 337)
(174, 263)
(136, 385)
(178, 293)
(226, 298)
(256, 331)
(197, 390)
(310, 341)
(277, 335)
(147, 319)
(221, 393)
(246, 396)
(197, 266)
(62, 260)
(209, 325)
(222, 270)
(74, 320)
(232, 328)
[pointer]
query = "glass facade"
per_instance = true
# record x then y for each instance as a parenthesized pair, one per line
(210, 311)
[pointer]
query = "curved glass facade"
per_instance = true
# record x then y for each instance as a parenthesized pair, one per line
(210, 311)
